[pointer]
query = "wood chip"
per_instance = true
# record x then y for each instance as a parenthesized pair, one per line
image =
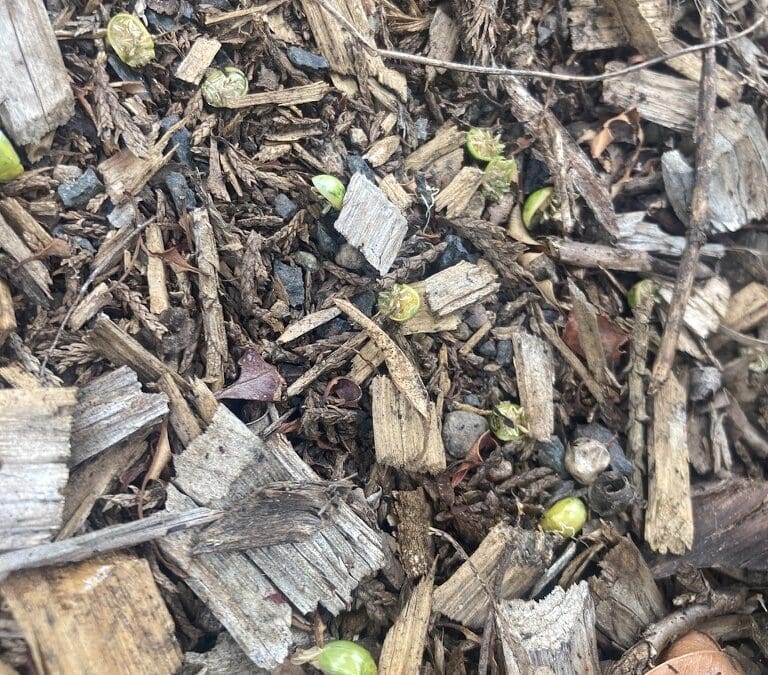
(307, 93)
(34, 235)
(589, 334)
(307, 324)
(706, 307)
(535, 372)
(459, 286)
(414, 518)
(447, 140)
(159, 299)
(365, 362)
(395, 192)
(454, 198)
(443, 40)
(7, 313)
(425, 320)
(90, 306)
(198, 60)
(382, 150)
(32, 277)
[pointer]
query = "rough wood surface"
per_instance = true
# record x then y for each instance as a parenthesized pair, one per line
(371, 223)
(307, 93)
(593, 26)
(35, 426)
(454, 197)
(401, 653)
(23, 223)
(706, 307)
(460, 286)
(448, 139)
(414, 518)
(626, 597)
(589, 334)
(425, 320)
(90, 306)
(555, 635)
(37, 96)
(7, 313)
(465, 596)
(125, 174)
(110, 409)
(159, 300)
(535, 372)
(100, 616)
(669, 516)
(198, 59)
(32, 277)
(183, 420)
(402, 437)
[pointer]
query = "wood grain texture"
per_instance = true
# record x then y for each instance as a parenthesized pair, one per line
(35, 427)
(198, 59)
(100, 616)
(460, 286)
(37, 97)
(535, 372)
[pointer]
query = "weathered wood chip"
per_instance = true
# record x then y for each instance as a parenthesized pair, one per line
(198, 59)
(459, 286)
(307, 323)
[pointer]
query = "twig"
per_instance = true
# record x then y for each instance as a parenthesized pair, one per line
(490, 620)
(695, 235)
(524, 72)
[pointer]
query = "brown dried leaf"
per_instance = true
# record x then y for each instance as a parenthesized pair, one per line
(56, 247)
(623, 128)
(343, 392)
(611, 337)
(173, 257)
(258, 381)
(697, 663)
(473, 458)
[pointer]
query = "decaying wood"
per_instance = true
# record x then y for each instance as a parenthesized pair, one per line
(198, 59)
(334, 360)
(368, 358)
(706, 306)
(638, 234)
(32, 276)
(401, 653)
(90, 306)
(23, 223)
(669, 516)
(414, 518)
(307, 323)
(454, 197)
(395, 192)
(382, 150)
(443, 40)
(159, 300)
(307, 93)
(35, 426)
(447, 140)
(459, 286)
(465, 596)
(103, 615)
(594, 26)
(535, 372)
(626, 597)
(7, 313)
(111, 409)
(371, 223)
(404, 438)
(589, 335)
(183, 420)
(554, 635)
(37, 97)
(747, 308)
(111, 251)
(225, 656)
(208, 288)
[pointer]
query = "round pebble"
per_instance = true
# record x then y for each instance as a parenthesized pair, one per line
(460, 430)
(586, 459)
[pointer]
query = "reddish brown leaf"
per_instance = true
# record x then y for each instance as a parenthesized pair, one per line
(173, 257)
(624, 128)
(343, 392)
(611, 337)
(473, 458)
(258, 381)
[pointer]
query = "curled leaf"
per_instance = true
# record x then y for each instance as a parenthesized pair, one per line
(473, 458)
(623, 128)
(343, 391)
(258, 381)
(173, 257)
(612, 337)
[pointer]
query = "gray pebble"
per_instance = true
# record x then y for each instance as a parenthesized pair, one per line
(365, 302)
(285, 207)
(292, 280)
(326, 242)
(704, 383)
(307, 260)
(475, 316)
(598, 432)
(460, 430)
(454, 253)
(504, 352)
(181, 194)
(349, 257)
(301, 58)
(473, 400)
(80, 192)
(487, 349)
(551, 453)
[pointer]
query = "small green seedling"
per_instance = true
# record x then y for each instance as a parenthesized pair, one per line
(399, 303)
(224, 84)
(482, 145)
(331, 188)
(508, 422)
(499, 176)
(10, 164)
(536, 206)
(340, 657)
(130, 39)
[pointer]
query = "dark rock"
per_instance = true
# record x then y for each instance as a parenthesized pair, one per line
(223, 5)
(181, 194)
(551, 453)
(326, 242)
(460, 430)
(160, 23)
(349, 257)
(181, 139)
(365, 302)
(454, 253)
(475, 316)
(80, 192)
(356, 164)
(598, 432)
(121, 215)
(487, 349)
(285, 207)
(128, 74)
(292, 281)
(504, 352)
(301, 58)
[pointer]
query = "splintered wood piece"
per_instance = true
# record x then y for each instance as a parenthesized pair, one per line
(402, 437)
(183, 420)
(425, 320)
(443, 40)
(669, 516)
(7, 313)
(380, 152)
(364, 364)
(159, 300)
(32, 276)
(216, 351)
(589, 334)
(588, 254)
(465, 596)
(307, 323)
(706, 307)
(403, 648)
(111, 409)
(455, 196)
(395, 192)
(306, 93)
(747, 308)
(325, 569)
(342, 51)
(198, 59)
(90, 306)
(554, 635)
(371, 223)
(627, 599)
(21, 221)
(35, 427)
(96, 616)
(447, 139)
(414, 516)
(238, 594)
(535, 371)
(638, 234)
(334, 360)
(37, 96)
(226, 656)
(459, 286)
(593, 26)
(404, 374)
(112, 250)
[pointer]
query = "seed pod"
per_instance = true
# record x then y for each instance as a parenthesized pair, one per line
(482, 145)
(565, 517)
(535, 206)
(508, 422)
(222, 85)
(399, 303)
(10, 164)
(611, 493)
(342, 657)
(499, 176)
(640, 292)
(130, 39)
(331, 188)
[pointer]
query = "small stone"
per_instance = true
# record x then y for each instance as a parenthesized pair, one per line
(66, 173)
(80, 192)
(349, 257)
(473, 400)
(365, 302)
(301, 58)
(421, 129)
(181, 138)
(121, 215)
(586, 459)
(551, 454)
(598, 432)
(307, 260)
(504, 352)
(356, 164)
(334, 327)
(358, 138)
(460, 430)
(487, 349)
(454, 253)
(475, 316)
(326, 242)
(160, 23)
(292, 281)
(285, 207)
(181, 194)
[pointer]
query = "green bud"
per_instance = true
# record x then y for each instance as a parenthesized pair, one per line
(499, 176)
(536, 205)
(222, 85)
(331, 188)
(482, 145)
(10, 164)
(342, 657)
(130, 39)
(565, 517)
(399, 303)
(640, 292)
(508, 422)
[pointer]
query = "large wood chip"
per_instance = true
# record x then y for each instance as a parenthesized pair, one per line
(535, 371)
(459, 286)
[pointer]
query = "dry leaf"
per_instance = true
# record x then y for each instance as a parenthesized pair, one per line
(404, 374)
(698, 663)
(611, 337)
(342, 391)
(695, 641)
(473, 458)
(517, 230)
(56, 247)
(160, 459)
(623, 128)
(173, 257)
(258, 381)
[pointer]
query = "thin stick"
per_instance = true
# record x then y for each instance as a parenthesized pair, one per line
(523, 72)
(695, 235)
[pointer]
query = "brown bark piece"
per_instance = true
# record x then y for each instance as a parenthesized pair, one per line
(307, 324)
(447, 139)
(555, 635)
(34, 235)
(7, 313)
(535, 372)
(454, 198)
(589, 334)
(159, 300)
(183, 420)
(307, 93)
(465, 596)
(198, 59)
(102, 616)
(459, 286)
(37, 97)
(395, 192)
(669, 517)
(414, 515)
(90, 306)
(32, 276)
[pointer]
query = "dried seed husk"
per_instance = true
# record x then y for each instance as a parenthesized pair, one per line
(224, 84)
(130, 40)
